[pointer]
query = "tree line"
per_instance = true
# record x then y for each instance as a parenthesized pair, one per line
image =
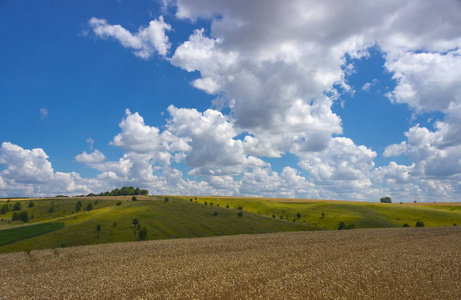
(124, 191)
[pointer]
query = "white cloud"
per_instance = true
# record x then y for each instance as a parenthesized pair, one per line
(95, 157)
(90, 142)
(43, 113)
(273, 74)
(213, 149)
(29, 173)
(368, 85)
(145, 42)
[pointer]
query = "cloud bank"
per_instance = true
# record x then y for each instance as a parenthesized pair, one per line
(279, 78)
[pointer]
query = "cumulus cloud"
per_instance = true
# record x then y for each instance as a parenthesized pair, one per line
(213, 149)
(145, 42)
(29, 173)
(278, 78)
(95, 157)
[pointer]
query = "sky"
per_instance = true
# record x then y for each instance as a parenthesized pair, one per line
(346, 100)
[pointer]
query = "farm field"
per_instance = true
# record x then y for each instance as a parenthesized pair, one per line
(397, 263)
(187, 217)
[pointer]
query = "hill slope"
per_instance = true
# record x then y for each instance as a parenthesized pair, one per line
(175, 219)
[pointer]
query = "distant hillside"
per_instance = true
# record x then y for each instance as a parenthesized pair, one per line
(187, 217)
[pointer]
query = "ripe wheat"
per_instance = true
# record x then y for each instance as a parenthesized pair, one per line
(406, 263)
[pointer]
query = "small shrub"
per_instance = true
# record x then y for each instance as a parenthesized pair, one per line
(78, 206)
(31, 204)
(4, 209)
(406, 225)
(240, 214)
(142, 234)
(281, 217)
(51, 209)
(343, 226)
(138, 227)
(240, 208)
(115, 224)
(211, 203)
(190, 199)
(206, 203)
(96, 202)
(89, 206)
(420, 224)
(98, 227)
(166, 199)
(135, 221)
(215, 213)
(24, 216)
(298, 215)
(227, 206)
(15, 216)
(273, 216)
(133, 198)
(17, 206)
(118, 203)
(323, 214)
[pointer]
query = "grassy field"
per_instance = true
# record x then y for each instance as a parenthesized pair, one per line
(175, 219)
(327, 214)
(12, 235)
(182, 218)
(398, 263)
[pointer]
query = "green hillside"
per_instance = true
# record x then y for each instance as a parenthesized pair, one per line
(327, 214)
(187, 217)
(175, 219)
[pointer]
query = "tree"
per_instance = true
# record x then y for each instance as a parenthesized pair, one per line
(31, 204)
(420, 224)
(166, 199)
(142, 234)
(17, 206)
(24, 216)
(240, 214)
(135, 221)
(4, 209)
(98, 227)
(298, 215)
(78, 206)
(89, 206)
(385, 200)
(133, 198)
(15, 216)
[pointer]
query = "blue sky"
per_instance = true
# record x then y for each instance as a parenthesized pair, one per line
(307, 99)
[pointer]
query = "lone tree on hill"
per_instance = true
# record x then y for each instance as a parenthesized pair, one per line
(24, 216)
(142, 234)
(385, 200)
(17, 206)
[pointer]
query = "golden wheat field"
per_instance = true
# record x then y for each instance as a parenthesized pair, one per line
(404, 263)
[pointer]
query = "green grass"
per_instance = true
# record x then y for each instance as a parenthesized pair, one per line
(175, 219)
(181, 218)
(361, 214)
(8, 236)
